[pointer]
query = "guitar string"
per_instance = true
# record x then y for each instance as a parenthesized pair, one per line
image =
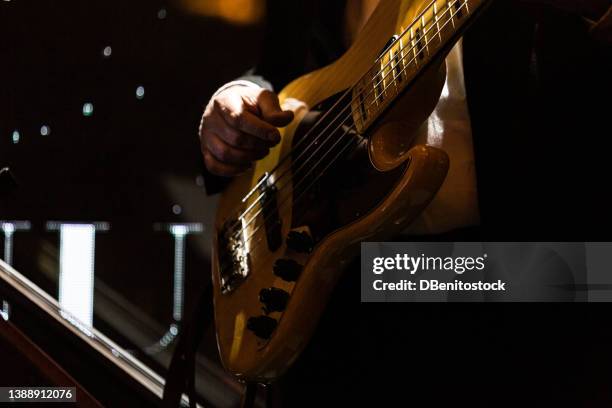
(250, 237)
(348, 91)
(407, 65)
(392, 71)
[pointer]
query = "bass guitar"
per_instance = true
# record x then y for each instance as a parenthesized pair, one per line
(347, 170)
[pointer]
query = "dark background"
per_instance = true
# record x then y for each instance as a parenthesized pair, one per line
(133, 160)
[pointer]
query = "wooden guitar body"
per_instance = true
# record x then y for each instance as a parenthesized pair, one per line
(267, 311)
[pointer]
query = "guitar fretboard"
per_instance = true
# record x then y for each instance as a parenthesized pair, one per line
(409, 53)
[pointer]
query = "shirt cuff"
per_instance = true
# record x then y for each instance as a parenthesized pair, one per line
(238, 82)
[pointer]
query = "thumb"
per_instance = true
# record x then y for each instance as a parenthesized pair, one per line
(271, 111)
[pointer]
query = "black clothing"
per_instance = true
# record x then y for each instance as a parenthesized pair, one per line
(537, 89)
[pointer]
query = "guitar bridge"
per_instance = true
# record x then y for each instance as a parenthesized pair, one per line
(234, 259)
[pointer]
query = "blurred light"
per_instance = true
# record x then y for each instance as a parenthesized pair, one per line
(176, 209)
(140, 91)
(5, 312)
(77, 243)
(88, 109)
(45, 130)
(16, 136)
(162, 13)
(179, 230)
(9, 228)
(234, 11)
(200, 180)
(107, 51)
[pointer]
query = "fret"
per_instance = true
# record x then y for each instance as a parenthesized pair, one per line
(412, 44)
(435, 14)
(402, 69)
(378, 83)
(398, 73)
(425, 32)
(419, 47)
(447, 23)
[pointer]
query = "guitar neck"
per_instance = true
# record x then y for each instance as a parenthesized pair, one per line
(428, 38)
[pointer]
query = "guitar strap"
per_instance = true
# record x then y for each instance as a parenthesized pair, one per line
(181, 373)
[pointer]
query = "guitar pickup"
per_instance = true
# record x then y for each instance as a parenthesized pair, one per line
(272, 222)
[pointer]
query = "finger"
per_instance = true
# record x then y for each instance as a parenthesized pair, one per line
(247, 122)
(228, 154)
(221, 169)
(271, 111)
(242, 140)
(217, 124)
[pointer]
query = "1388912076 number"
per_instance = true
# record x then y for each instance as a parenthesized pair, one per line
(37, 394)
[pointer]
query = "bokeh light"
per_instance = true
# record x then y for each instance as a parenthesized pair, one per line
(45, 130)
(88, 109)
(233, 11)
(16, 136)
(140, 92)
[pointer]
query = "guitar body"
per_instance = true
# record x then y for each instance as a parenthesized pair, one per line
(372, 192)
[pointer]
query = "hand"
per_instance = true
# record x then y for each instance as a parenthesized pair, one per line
(238, 127)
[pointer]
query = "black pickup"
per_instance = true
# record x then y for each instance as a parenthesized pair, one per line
(272, 222)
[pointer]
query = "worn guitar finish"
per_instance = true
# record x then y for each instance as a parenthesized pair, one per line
(285, 230)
